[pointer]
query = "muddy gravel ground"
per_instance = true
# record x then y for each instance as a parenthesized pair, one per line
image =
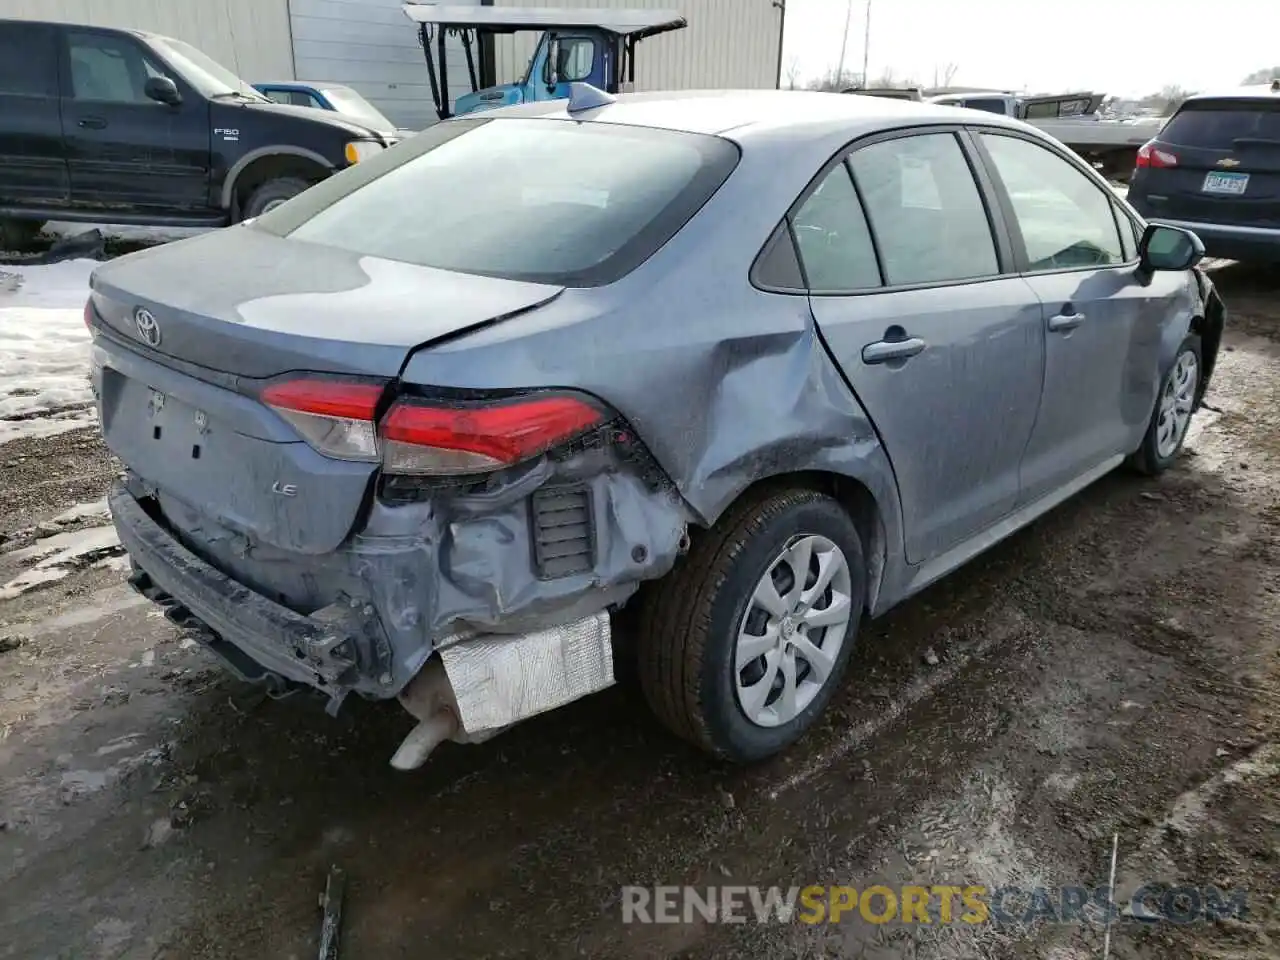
(1111, 672)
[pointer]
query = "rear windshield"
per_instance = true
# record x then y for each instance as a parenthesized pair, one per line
(549, 201)
(1222, 124)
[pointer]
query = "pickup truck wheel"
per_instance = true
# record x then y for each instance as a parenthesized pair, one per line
(743, 645)
(18, 234)
(1175, 404)
(271, 194)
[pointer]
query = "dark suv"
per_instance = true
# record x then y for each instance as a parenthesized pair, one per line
(1215, 168)
(128, 127)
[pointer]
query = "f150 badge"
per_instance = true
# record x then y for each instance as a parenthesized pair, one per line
(226, 133)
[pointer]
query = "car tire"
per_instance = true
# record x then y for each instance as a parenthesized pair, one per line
(1175, 404)
(689, 627)
(271, 194)
(18, 235)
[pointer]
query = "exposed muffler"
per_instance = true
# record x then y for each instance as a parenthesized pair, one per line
(477, 687)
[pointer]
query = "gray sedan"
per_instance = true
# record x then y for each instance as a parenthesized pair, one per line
(752, 366)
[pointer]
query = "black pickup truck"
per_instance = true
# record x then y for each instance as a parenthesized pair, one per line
(122, 126)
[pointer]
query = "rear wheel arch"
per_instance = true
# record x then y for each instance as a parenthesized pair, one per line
(266, 164)
(1208, 328)
(866, 511)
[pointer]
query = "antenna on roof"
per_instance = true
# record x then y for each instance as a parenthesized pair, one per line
(583, 96)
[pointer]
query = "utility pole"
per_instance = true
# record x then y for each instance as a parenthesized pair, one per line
(866, 45)
(844, 44)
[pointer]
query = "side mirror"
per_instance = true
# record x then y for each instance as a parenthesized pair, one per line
(551, 71)
(1169, 248)
(162, 90)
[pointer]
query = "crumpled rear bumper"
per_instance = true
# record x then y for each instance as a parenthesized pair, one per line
(260, 640)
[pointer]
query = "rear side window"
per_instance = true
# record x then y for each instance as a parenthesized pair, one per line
(28, 60)
(834, 241)
(1223, 124)
(989, 105)
(1065, 219)
(539, 200)
(928, 217)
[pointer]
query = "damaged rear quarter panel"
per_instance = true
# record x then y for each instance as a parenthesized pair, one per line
(725, 384)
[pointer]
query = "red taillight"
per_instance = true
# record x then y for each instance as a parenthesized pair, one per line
(1152, 156)
(433, 440)
(88, 314)
(421, 438)
(335, 418)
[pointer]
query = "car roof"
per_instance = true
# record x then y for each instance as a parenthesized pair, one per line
(751, 113)
(1262, 91)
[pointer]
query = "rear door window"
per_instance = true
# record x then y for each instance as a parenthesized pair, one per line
(28, 60)
(1225, 125)
(1065, 219)
(834, 241)
(925, 209)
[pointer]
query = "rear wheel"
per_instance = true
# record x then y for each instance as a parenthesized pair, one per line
(271, 194)
(1175, 404)
(742, 647)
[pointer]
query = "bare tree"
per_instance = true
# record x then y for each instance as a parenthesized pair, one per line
(887, 78)
(1263, 76)
(942, 76)
(793, 72)
(837, 80)
(1171, 97)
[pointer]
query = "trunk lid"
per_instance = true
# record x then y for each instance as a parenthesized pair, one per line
(233, 308)
(243, 302)
(1228, 167)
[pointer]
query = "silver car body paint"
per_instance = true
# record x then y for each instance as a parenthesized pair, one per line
(726, 384)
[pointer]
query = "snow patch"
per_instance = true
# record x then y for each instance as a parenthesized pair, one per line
(126, 232)
(44, 352)
(97, 510)
(61, 553)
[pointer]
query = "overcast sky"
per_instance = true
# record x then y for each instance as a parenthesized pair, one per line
(1121, 47)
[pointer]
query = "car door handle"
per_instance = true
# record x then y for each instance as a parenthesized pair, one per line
(882, 351)
(490, 96)
(1065, 321)
(92, 123)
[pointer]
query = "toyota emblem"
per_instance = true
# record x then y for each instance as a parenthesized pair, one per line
(148, 328)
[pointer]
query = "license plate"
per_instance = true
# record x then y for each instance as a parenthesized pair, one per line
(1232, 184)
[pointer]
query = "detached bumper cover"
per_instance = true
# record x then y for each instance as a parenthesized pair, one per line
(257, 638)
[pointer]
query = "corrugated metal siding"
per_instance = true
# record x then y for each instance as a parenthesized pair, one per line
(729, 44)
(372, 47)
(250, 37)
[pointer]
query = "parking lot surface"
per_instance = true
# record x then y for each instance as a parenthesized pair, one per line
(1111, 672)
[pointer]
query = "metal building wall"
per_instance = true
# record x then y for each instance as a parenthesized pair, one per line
(372, 47)
(250, 37)
(728, 44)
